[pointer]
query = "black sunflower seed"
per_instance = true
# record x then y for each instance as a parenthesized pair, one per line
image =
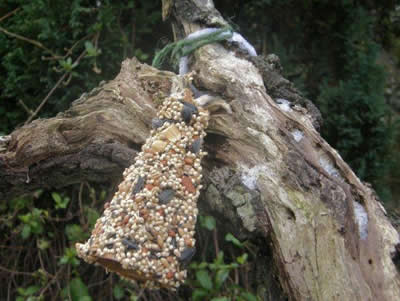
(166, 195)
(173, 242)
(187, 111)
(130, 244)
(157, 122)
(153, 255)
(196, 145)
(111, 235)
(139, 185)
(109, 246)
(187, 255)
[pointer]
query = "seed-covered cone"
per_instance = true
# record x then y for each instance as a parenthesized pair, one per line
(146, 232)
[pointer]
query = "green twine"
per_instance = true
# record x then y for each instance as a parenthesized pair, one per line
(184, 47)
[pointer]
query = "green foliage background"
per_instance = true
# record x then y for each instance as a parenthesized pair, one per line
(328, 49)
(110, 32)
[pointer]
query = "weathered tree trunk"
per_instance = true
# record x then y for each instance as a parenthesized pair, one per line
(268, 174)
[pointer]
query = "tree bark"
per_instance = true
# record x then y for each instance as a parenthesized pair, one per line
(268, 174)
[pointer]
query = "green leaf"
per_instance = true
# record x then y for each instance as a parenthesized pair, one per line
(204, 279)
(91, 50)
(249, 296)
(220, 277)
(78, 289)
(208, 222)
(26, 231)
(36, 227)
(198, 266)
(234, 240)
(69, 257)
(66, 64)
(220, 258)
(103, 195)
(75, 233)
(220, 299)
(89, 46)
(56, 197)
(92, 216)
(118, 292)
(75, 261)
(36, 212)
(34, 224)
(29, 291)
(17, 204)
(61, 203)
(199, 294)
(216, 266)
(242, 259)
(63, 260)
(202, 265)
(43, 244)
(25, 218)
(37, 193)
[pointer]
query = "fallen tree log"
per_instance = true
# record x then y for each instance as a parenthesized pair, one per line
(269, 174)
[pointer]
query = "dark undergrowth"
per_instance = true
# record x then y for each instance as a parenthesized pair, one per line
(38, 260)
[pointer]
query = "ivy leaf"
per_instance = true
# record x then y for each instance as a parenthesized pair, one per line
(204, 279)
